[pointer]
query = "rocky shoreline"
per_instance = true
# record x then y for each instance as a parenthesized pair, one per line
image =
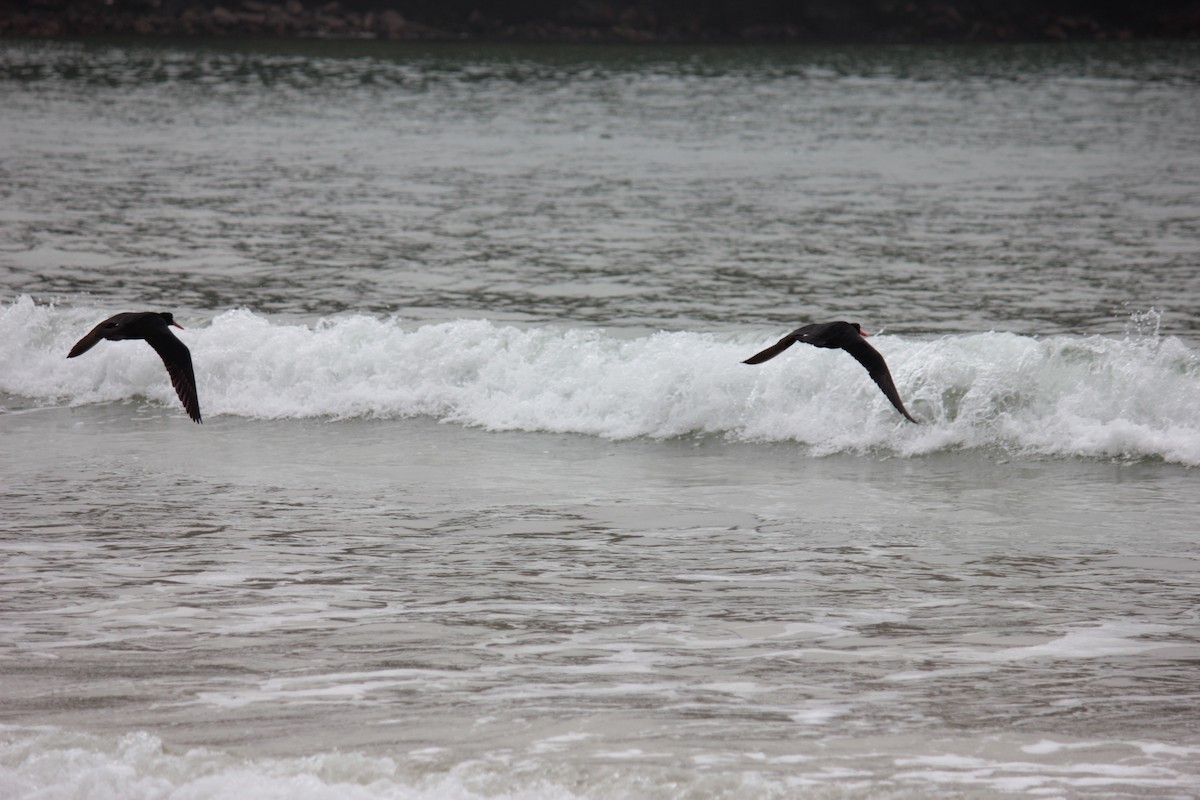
(597, 21)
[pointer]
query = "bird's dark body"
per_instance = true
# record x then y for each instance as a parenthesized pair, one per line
(846, 336)
(155, 328)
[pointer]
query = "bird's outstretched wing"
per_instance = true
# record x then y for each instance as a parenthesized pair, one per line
(178, 360)
(773, 350)
(94, 337)
(870, 358)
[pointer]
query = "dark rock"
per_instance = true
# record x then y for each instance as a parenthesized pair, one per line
(616, 20)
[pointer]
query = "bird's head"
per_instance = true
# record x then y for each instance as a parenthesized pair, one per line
(169, 318)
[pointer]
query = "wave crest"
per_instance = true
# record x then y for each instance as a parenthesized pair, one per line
(1136, 397)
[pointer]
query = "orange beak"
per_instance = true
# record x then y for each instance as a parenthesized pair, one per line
(177, 325)
(863, 333)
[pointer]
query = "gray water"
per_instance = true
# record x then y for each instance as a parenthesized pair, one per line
(330, 591)
(1028, 189)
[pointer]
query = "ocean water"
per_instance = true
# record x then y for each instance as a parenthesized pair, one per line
(485, 504)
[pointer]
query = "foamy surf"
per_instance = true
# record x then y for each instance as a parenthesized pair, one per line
(51, 763)
(1135, 397)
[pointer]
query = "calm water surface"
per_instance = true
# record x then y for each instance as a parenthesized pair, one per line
(1027, 189)
(484, 504)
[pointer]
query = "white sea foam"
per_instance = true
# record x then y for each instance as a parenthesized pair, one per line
(52, 764)
(1110, 638)
(1133, 397)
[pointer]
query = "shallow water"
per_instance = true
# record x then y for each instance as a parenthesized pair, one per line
(599, 615)
(485, 505)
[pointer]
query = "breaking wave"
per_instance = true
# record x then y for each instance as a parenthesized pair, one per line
(1135, 397)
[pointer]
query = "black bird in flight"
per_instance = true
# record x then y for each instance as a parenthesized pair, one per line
(849, 337)
(153, 327)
